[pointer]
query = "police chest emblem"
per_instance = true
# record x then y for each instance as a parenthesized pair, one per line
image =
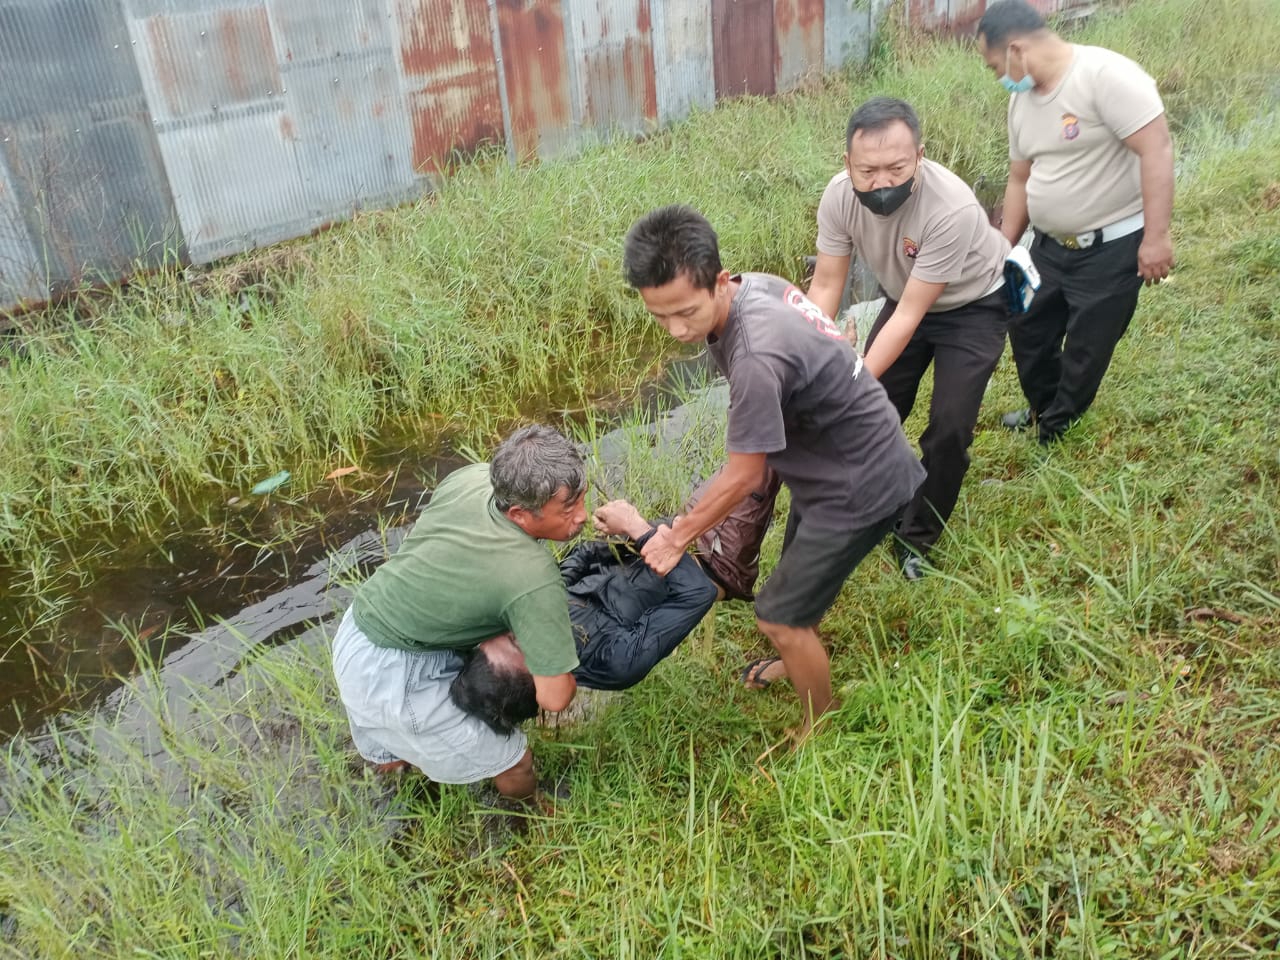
(1070, 126)
(910, 247)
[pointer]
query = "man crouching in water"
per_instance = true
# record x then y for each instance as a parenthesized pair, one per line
(471, 570)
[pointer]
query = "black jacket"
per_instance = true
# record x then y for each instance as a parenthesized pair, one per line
(625, 617)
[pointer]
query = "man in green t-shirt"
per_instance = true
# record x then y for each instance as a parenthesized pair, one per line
(471, 569)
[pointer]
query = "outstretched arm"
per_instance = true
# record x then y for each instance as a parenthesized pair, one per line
(917, 298)
(827, 285)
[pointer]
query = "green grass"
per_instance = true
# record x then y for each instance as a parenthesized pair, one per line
(1065, 744)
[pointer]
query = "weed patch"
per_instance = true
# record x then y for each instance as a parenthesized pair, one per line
(1062, 744)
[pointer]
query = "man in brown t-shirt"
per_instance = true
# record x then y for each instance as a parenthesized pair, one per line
(800, 402)
(933, 250)
(1091, 170)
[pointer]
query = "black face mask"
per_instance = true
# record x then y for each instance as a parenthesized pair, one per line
(884, 200)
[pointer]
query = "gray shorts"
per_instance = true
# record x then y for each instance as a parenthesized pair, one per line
(398, 705)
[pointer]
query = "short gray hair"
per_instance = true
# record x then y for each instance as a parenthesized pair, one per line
(532, 465)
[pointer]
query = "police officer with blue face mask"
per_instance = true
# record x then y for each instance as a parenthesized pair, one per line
(1091, 171)
(929, 243)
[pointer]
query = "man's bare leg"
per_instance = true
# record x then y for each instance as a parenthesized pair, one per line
(808, 667)
(518, 782)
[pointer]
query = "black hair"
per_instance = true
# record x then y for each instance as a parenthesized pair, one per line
(878, 113)
(499, 695)
(670, 241)
(1006, 20)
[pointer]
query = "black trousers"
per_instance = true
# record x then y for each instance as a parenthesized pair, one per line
(964, 346)
(1063, 344)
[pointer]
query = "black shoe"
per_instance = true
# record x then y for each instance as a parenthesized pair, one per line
(1017, 419)
(911, 561)
(914, 567)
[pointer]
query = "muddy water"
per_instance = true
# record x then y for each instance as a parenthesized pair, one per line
(198, 606)
(168, 595)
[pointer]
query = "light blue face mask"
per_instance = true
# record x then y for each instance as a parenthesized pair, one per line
(1016, 86)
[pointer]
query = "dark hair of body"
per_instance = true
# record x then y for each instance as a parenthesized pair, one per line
(500, 694)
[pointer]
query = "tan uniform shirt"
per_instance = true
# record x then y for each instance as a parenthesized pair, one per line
(1083, 177)
(940, 235)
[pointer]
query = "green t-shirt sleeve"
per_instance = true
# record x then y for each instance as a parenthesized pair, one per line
(540, 621)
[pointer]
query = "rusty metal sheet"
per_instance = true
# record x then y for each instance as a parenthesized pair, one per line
(927, 14)
(743, 47)
(936, 15)
(961, 17)
(227, 141)
(83, 184)
(682, 59)
(798, 32)
(274, 120)
(848, 28)
(611, 52)
(451, 77)
(535, 68)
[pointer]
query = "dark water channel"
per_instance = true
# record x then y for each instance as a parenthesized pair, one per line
(172, 595)
(201, 602)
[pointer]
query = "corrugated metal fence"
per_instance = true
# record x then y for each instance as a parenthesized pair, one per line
(133, 132)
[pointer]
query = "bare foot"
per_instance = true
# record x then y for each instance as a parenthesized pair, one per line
(798, 735)
(393, 766)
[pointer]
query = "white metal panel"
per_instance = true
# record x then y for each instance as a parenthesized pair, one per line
(850, 25)
(236, 182)
(682, 57)
(21, 277)
(349, 126)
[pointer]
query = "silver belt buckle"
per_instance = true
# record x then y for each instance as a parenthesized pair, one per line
(1074, 241)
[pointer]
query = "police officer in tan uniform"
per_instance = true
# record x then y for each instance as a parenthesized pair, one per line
(931, 247)
(1091, 170)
